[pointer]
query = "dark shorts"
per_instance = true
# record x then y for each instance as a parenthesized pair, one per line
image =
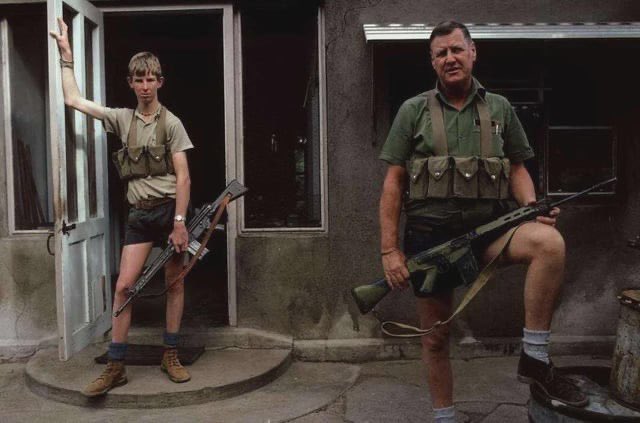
(420, 235)
(150, 225)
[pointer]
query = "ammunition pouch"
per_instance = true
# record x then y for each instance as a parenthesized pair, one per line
(140, 162)
(160, 161)
(458, 177)
(146, 160)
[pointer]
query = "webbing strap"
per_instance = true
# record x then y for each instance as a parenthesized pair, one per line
(437, 125)
(438, 129)
(161, 129)
(477, 285)
(485, 127)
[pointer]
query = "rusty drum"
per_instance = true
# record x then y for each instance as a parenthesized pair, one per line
(625, 372)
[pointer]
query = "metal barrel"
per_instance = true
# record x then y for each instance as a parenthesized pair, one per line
(625, 371)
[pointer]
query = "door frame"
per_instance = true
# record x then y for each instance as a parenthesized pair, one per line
(232, 79)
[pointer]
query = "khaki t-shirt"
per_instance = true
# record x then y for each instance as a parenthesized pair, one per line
(117, 121)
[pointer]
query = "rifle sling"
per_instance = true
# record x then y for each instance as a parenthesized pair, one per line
(214, 222)
(477, 285)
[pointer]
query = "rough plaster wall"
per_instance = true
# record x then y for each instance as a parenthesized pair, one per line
(300, 286)
(27, 294)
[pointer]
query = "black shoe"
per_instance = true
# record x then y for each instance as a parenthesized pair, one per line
(554, 385)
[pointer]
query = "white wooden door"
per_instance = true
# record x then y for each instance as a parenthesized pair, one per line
(79, 157)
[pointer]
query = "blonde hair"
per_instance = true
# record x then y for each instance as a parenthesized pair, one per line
(143, 63)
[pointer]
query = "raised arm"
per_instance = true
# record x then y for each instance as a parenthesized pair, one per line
(72, 95)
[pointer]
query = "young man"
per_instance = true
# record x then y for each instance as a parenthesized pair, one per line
(460, 124)
(158, 199)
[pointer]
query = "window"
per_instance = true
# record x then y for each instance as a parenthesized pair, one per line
(283, 100)
(24, 100)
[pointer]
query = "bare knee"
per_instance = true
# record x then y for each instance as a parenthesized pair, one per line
(547, 243)
(122, 288)
(436, 344)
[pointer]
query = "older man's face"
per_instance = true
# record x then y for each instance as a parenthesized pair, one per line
(452, 57)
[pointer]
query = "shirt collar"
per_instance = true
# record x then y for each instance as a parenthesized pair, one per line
(477, 89)
(156, 115)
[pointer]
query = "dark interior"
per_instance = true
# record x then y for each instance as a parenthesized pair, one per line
(190, 49)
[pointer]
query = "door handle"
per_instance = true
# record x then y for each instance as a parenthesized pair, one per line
(67, 228)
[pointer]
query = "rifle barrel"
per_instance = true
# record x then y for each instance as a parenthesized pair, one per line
(581, 193)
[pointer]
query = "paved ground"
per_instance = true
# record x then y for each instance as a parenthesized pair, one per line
(393, 391)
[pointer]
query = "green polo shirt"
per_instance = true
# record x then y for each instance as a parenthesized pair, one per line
(411, 132)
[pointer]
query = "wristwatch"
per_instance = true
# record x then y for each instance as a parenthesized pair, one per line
(179, 218)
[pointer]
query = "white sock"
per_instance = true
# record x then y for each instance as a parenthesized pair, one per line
(444, 415)
(535, 344)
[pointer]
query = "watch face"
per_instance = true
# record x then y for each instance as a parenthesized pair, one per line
(179, 218)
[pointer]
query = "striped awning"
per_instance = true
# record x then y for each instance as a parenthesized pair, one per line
(509, 31)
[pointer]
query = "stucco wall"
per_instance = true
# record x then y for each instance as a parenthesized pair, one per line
(300, 286)
(27, 295)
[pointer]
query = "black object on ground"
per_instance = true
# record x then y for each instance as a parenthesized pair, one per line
(151, 355)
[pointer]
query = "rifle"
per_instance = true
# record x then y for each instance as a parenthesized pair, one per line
(457, 252)
(202, 222)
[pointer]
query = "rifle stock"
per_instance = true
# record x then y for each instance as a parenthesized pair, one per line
(456, 252)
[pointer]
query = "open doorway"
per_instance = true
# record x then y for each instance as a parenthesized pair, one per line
(190, 49)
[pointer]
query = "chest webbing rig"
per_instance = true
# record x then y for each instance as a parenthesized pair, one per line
(441, 175)
(140, 161)
(440, 135)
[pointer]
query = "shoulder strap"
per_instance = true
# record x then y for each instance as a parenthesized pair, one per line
(437, 124)
(485, 127)
(161, 127)
(133, 130)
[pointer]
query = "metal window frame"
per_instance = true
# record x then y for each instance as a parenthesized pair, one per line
(323, 229)
(505, 31)
(7, 135)
(614, 162)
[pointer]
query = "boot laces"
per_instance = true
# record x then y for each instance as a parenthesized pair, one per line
(172, 357)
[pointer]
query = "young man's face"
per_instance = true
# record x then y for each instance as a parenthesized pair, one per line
(452, 57)
(145, 87)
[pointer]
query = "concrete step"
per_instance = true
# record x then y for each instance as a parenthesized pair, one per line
(218, 374)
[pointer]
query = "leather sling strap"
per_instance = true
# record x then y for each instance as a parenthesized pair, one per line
(477, 285)
(161, 129)
(203, 243)
(440, 134)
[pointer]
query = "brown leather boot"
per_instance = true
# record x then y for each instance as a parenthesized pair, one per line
(113, 375)
(172, 367)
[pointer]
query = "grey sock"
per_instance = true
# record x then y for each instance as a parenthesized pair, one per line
(444, 415)
(535, 344)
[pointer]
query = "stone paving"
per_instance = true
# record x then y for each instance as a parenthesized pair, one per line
(393, 391)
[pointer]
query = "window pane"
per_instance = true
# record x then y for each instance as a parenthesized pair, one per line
(30, 156)
(579, 157)
(281, 119)
(89, 29)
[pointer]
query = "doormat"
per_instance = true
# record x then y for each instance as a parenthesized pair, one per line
(151, 355)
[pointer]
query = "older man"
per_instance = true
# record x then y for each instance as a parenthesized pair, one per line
(461, 150)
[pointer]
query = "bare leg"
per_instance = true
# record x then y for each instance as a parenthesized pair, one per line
(131, 264)
(435, 349)
(175, 295)
(542, 248)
